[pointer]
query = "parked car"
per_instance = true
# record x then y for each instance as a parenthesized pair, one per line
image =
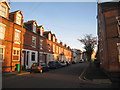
(36, 68)
(63, 63)
(54, 64)
(44, 66)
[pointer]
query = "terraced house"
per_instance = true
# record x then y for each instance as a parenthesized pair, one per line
(25, 43)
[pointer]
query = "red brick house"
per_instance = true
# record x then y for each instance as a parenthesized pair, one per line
(109, 35)
(10, 37)
(60, 52)
(26, 43)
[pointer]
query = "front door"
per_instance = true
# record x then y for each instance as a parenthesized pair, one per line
(23, 60)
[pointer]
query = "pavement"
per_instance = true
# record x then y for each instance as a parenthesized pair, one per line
(9, 74)
(94, 74)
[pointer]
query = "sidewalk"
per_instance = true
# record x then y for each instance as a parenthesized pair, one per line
(95, 74)
(9, 74)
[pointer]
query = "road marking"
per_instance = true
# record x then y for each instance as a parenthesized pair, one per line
(80, 77)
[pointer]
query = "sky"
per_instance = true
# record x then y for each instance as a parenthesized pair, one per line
(69, 21)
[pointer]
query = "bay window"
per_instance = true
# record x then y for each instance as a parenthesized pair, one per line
(16, 54)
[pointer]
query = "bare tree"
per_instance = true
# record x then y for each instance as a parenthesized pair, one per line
(89, 44)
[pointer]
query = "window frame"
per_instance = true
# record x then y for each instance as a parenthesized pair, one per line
(15, 54)
(41, 44)
(16, 40)
(34, 27)
(3, 25)
(53, 48)
(53, 38)
(49, 36)
(33, 53)
(18, 20)
(3, 53)
(33, 43)
(3, 11)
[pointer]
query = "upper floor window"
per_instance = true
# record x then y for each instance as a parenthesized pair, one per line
(56, 49)
(3, 10)
(53, 48)
(34, 28)
(2, 32)
(49, 36)
(33, 41)
(53, 38)
(17, 36)
(41, 43)
(41, 31)
(18, 19)
(59, 49)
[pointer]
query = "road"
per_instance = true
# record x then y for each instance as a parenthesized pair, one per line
(66, 77)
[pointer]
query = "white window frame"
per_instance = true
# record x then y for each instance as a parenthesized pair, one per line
(33, 41)
(34, 27)
(53, 38)
(18, 19)
(41, 31)
(56, 49)
(59, 50)
(53, 48)
(17, 36)
(3, 11)
(41, 44)
(3, 47)
(2, 32)
(16, 49)
(49, 36)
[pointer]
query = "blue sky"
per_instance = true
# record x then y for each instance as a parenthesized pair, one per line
(67, 20)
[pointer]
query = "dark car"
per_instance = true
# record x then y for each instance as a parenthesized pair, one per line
(36, 68)
(44, 66)
(54, 64)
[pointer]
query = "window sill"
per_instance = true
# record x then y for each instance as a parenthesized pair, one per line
(17, 42)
